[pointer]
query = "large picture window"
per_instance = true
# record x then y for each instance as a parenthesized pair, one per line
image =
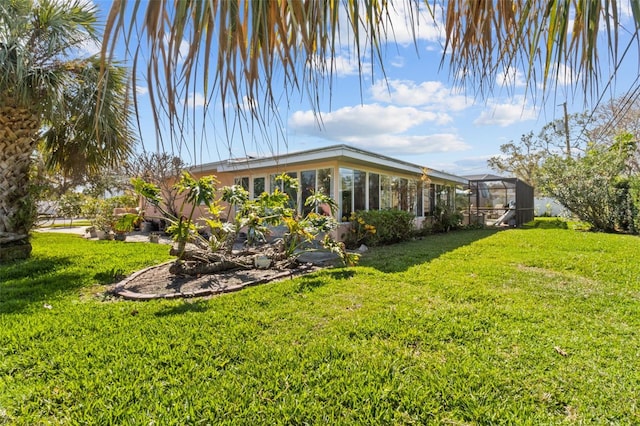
(315, 181)
(285, 187)
(346, 193)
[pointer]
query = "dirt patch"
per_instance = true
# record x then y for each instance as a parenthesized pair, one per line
(157, 282)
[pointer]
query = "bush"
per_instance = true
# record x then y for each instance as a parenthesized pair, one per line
(444, 219)
(379, 227)
(596, 187)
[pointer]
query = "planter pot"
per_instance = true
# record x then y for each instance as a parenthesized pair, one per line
(146, 227)
(101, 235)
(154, 238)
(119, 236)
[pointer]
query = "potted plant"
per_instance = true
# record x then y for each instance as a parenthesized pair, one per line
(123, 225)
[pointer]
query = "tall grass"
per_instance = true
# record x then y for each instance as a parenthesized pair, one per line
(533, 326)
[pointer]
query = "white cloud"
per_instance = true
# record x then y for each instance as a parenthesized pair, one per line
(365, 120)
(89, 48)
(505, 114)
(511, 78)
(343, 65)
(346, 65)
(379, 128)
(196, 100)
(410, 144)
(403, 17)
(183, 49)
(465, 166)
(142, 90)
(429, 94)
(564, 75)
(397, 62)
(625, 10)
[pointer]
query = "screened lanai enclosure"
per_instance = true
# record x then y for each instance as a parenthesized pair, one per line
(499, 201)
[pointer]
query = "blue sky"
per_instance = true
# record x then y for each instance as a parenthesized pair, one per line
(416, 115)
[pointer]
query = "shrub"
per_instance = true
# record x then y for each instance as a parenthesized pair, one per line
(379, 227)
(444, 219)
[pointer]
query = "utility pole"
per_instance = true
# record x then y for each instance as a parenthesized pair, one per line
(566, 130)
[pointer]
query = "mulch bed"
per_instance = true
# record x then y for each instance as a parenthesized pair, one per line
(157, 282)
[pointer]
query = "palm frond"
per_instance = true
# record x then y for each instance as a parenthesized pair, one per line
(256, 50)
(86, 135)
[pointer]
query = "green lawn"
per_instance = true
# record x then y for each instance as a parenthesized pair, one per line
(528, 326)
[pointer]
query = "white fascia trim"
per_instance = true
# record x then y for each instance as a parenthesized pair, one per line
(337, 152)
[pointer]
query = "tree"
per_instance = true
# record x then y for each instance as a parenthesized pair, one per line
(595, 186)
(621, 115)
(523, 159)
(162, 170)
(245, 52)
(77, 107)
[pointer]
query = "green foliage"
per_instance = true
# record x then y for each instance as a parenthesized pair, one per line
(524, 159)
(595, 186)
(463, 328)
(70, 204)
(380, 227)
(126, 222)
(254, 216)
(195, 193)
(444, 219)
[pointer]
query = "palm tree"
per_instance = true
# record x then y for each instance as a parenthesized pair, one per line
(244, 50)
(45, 93)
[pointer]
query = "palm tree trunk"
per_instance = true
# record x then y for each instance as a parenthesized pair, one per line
(18, 131)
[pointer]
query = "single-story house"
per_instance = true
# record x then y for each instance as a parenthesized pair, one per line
(357, 179)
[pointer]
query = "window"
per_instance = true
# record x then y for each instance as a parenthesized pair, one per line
(420, 201)
(346, 193)
(353, 195)
(308, 187)
(324, 182)
(385, 192)
(258, 186)
(399, 194)
(359, 190)
(285, 187)
(242, 181)
(432, 199)
(412, 189)
(374, 191)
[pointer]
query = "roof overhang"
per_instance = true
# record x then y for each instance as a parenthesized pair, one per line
(337, 152)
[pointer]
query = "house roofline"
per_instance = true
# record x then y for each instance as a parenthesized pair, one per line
(335, 151)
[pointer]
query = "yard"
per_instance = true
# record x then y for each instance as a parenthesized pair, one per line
(526, 326)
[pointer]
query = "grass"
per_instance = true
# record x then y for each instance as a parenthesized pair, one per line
(527, 326)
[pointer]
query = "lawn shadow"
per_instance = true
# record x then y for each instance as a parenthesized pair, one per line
(35, 280)
(402, 256)
(318, 279)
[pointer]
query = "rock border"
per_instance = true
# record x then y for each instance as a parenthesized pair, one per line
(121, 291)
